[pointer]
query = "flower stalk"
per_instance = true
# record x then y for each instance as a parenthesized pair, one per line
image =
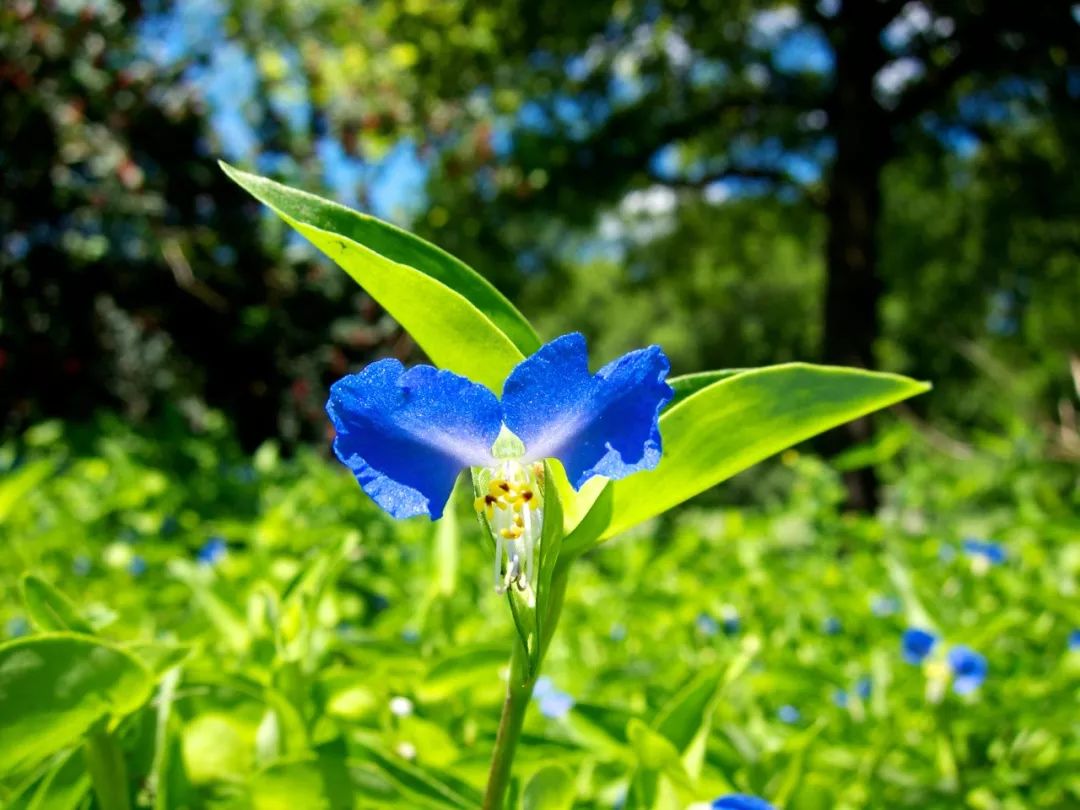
(519, 689)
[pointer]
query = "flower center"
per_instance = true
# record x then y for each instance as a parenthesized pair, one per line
(512, 502)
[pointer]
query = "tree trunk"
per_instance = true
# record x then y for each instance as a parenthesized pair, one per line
(853, 288)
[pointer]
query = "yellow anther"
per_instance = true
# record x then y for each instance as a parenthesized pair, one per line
(486, 504)
(519, 521)
(499, 488)
(513, 533)
(538, 470)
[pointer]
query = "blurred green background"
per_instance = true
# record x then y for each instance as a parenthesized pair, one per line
(876, 183)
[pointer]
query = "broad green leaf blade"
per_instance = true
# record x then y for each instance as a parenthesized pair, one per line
(50, 610)
(688, 384)
(456, 316)
(738, 421)
(54, 687)
(550, 788)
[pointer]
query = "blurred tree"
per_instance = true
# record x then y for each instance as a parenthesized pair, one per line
(809, 99)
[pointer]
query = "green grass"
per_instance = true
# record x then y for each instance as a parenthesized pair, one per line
(278, 667)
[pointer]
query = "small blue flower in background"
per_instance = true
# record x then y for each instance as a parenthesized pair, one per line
(618, 632)
(17, 626)
(212, 551)
(917, 644)
(81, 565)
(1074, 640)
(862, 690)
(832, 626)
(884, 605)
(706, 625)
(730, 622)
(554, 704)
(740, 801)
(137, 566)
(407, 434)
(789, 714)
(968, 667)
(863, 687)
(983, 554)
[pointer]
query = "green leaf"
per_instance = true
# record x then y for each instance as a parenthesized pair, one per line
(688, 384)
(50, 610)
(21, 482)
(53, 688)
(461, 670)
(423, 784)
(64, 786)
(660, 772)
(456, 316)
(734, 423)
(690, 710)
(550, 788)
(318, 781)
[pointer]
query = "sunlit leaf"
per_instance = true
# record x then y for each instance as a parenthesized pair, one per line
(50, 610)
(53, 688)
(550, 788)
(738, 421)
(459, 319)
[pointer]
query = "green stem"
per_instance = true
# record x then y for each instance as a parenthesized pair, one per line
(518, 691)
(105, 761)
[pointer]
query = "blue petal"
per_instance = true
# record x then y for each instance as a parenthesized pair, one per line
(993, 552)
(407, 434)
(739, 801)
(917, 644)
(969, 669)
(602, 424)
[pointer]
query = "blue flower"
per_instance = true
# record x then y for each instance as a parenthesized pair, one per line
(1074, 640)
(969, 669)
(137, 566)
(832, 626)
(554, 703)
(863, 687)
(917, 644)
(212, 551)
(740, 801)
(17, 626)
(789, 714)
(706, 625)
(407, 434)
(731, 624)
(983, 552)
(884, 605)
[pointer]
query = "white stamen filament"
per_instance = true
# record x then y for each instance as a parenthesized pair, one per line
(509, 495)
